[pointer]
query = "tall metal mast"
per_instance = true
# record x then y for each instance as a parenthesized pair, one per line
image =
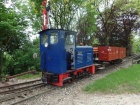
(45, 13)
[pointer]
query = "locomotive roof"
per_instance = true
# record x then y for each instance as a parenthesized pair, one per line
(55, 29)
(84, 46)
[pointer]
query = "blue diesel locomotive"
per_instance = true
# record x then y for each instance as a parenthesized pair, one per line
(61, 59)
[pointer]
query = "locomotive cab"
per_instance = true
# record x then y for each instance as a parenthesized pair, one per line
(61, 59)
(57, 51)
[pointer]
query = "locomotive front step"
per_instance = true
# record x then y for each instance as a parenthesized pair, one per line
(97, 64)
(68, 78)
(101, 68)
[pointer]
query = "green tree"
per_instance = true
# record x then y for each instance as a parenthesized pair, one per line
(136, 45)
(63, 13)
(22, 59)
(11, 26)
(86, 25)
(13, 37)
(117, 22)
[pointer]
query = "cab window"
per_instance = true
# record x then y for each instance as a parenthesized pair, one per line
(69, 39)
(44, 39)
(53, 38)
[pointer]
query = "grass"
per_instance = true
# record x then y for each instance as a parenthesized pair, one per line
(30, 76)
(126, 80)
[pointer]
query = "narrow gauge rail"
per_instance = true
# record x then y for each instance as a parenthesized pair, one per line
(12, 91)
(32, 96)
(20, 92)
(18, 89)
(19, 84)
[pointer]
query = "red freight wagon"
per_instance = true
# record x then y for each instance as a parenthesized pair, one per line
(117, 52)
(106, 53)
(110, 53)
(122, 52)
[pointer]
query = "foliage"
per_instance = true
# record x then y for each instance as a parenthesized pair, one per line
(22, 59)
(16, 50)
(10, 26)
(136, 45)
(86, 24)
(12, 36)
(63, 13)
(125, 80)
(116, 23)
(126, 24)
(27, 9)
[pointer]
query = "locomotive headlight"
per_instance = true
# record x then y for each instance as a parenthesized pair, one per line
(46, 44)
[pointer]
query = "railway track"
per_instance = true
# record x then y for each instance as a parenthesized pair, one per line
(10, 88)
(22, 97)
(32, 96)
(20, 90)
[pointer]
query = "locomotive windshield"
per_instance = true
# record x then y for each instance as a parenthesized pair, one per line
(69, 39)
(53, 38)
(44, 39)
